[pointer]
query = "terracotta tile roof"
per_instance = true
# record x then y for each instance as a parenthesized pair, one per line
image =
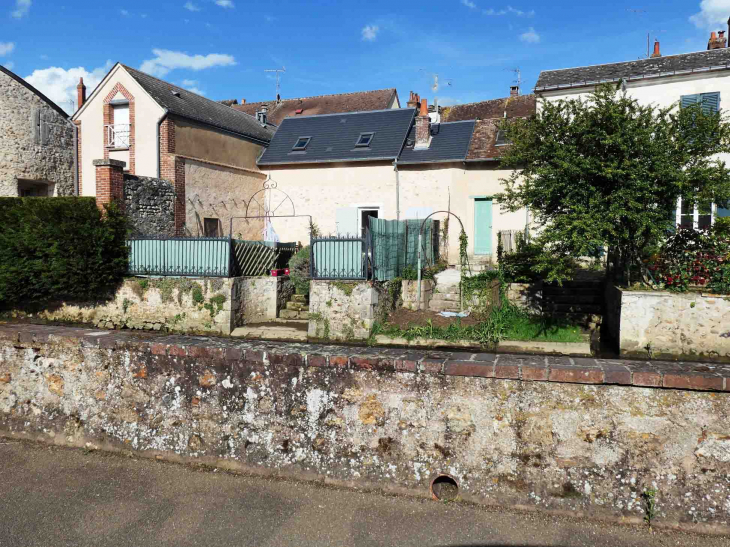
(360, 101)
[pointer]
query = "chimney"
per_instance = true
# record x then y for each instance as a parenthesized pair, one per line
(423, 127)
(717, 42)
(80, 93)
(261, 114)
(514, 91)
(413, 100)
(657, 51)
(243, 101)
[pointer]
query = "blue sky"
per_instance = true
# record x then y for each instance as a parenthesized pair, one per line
(220, 48)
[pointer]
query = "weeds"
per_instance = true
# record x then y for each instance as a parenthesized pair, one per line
(650, 510)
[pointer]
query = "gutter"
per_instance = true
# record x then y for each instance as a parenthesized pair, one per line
(159, 156)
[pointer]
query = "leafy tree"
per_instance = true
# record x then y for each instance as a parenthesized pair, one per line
(606, 173)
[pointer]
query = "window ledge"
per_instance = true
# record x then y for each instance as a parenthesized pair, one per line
(117, 149)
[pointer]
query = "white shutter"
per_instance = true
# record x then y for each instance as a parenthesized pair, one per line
(346, 218)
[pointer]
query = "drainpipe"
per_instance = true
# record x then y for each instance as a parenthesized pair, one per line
(159, 158)
(76, 158)
(397, 189)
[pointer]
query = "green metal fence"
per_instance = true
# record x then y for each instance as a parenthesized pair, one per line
(193, 257)
(254, 258)
(340, 257)
(395, 245)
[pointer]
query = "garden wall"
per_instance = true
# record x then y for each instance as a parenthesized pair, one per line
(341, 310)
(260, 298)
(534, 432)
(409, 293)
(664, 324)
(526, 295)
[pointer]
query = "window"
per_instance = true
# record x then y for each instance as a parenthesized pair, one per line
(502, 139)
(364, 140)
(365, 215)
(118, 132)
(698, 215)
(710, 102)
(210, 227)
(302, 143)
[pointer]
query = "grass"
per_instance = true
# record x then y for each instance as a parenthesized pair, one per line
(543, 330)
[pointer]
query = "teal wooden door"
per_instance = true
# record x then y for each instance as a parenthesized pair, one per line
(482, 226)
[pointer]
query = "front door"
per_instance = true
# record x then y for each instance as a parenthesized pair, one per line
(482, 226)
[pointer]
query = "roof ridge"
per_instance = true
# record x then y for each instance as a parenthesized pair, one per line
(35, 91)
(345, 113)
(320, 96)
(491, 100)
(708, 52)
(126, 67)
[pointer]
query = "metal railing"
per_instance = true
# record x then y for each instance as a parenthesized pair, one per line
(255, 258)
(179, 256)
(341, 257)
(117, 135)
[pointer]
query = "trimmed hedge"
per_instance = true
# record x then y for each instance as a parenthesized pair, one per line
(59, 248)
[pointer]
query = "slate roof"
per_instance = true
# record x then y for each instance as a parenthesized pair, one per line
(449, 142)
(716, 59)
(334, 137)
(360, 101)
(190, 106)
(521, 106)
(33, 90)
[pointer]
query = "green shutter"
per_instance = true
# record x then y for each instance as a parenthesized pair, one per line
(710, 103)
(689, 100)
(722, 213)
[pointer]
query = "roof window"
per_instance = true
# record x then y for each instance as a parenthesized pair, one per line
(301, 143)
(502, 139)
(364, 140)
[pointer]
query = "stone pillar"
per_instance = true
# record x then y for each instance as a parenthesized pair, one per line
(109, 181)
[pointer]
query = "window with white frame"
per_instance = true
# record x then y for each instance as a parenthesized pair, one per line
(696, 214)
(118, 132)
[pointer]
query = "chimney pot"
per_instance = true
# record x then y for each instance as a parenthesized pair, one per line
(412, 100)
(717, 40)
(657, 51)
(514, 91)
(424, 107)
(80, 94)
(243, 101)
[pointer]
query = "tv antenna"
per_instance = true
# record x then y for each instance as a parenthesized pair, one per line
(278, 72)
(648, 41)
(436, 85)
(518, 76)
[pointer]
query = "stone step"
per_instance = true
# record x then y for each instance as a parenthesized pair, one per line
(442, 305)
(446, 297)
(293, 314)
(296, 306)
(300, 298)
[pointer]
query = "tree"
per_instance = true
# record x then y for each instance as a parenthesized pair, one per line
(606, 173)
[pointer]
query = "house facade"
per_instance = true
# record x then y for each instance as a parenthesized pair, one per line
(206, 150)
(691, 78)
(396, 164)
(37, 142)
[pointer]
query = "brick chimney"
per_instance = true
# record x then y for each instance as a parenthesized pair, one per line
(109, 182)
(423, 127)
(657, 50)
(717, 42)
(80, 94)
(413, 100)
(243, 101)
(514, 91)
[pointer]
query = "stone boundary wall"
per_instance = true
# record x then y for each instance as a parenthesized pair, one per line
(669, 325)
(149, 203)
(526, 295)
(388, 419)
(342, 310)
(409, 293)
(259, 298)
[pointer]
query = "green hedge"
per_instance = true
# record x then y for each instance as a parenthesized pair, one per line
(59, 248)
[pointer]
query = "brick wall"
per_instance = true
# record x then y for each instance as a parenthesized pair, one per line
(172, 168)
(109, 181)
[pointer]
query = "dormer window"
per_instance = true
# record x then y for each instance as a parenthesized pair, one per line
(502, 139)
(301, 143)
(364, 140)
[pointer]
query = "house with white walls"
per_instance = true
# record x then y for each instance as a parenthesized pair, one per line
(690, 78)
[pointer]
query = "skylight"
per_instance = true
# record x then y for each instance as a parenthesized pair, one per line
(502, 139)
(302, 143)
(364, 140)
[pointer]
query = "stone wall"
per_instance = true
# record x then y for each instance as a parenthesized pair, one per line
(538, 433)
(409, 294)
(259, 299)
(150, 206)
(526, 295)
(36, 142)
(171, 304)
(341, 310)
(664, 324)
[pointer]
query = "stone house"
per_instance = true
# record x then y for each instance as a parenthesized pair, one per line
(206, 151)
(398, 164)
(37, 142)
(700, 77)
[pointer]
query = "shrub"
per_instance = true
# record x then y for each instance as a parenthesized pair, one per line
(410, 273)
(299, 271)
(59, 248)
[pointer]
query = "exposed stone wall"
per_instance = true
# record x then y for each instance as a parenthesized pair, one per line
(409, 294)
(150, 206)
(390, 420)
(259, 299)
(36, 141)
(664, 324)
(341, 310)
(526, 295)
(170, 304)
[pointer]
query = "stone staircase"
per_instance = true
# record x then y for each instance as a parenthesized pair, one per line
(446, 296)
(296, 308)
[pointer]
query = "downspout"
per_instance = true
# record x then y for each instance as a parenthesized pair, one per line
(397, 189)
(159, 156)
(76, 158)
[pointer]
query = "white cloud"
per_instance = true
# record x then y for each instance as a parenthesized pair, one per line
(9, 65)
(59, 84)
(469, 4)
(370, 32)
(192, 85)
(6, 48)
(225, 3)
(124, 12)
(491, 11)
(509, 9)
(713, 13)
(191, 7)
(530, 36)
(166, 60)
(22, 7)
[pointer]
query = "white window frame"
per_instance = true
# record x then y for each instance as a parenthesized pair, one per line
(361, 210)
(695, 215)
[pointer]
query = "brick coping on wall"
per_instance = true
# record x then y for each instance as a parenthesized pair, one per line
(539, 368)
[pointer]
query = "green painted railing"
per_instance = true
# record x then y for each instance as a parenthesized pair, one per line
(187, 257)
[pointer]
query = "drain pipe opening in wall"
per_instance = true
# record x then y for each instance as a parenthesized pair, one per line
(444, 488)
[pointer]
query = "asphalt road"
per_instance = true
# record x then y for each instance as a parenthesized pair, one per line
(57, 497)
